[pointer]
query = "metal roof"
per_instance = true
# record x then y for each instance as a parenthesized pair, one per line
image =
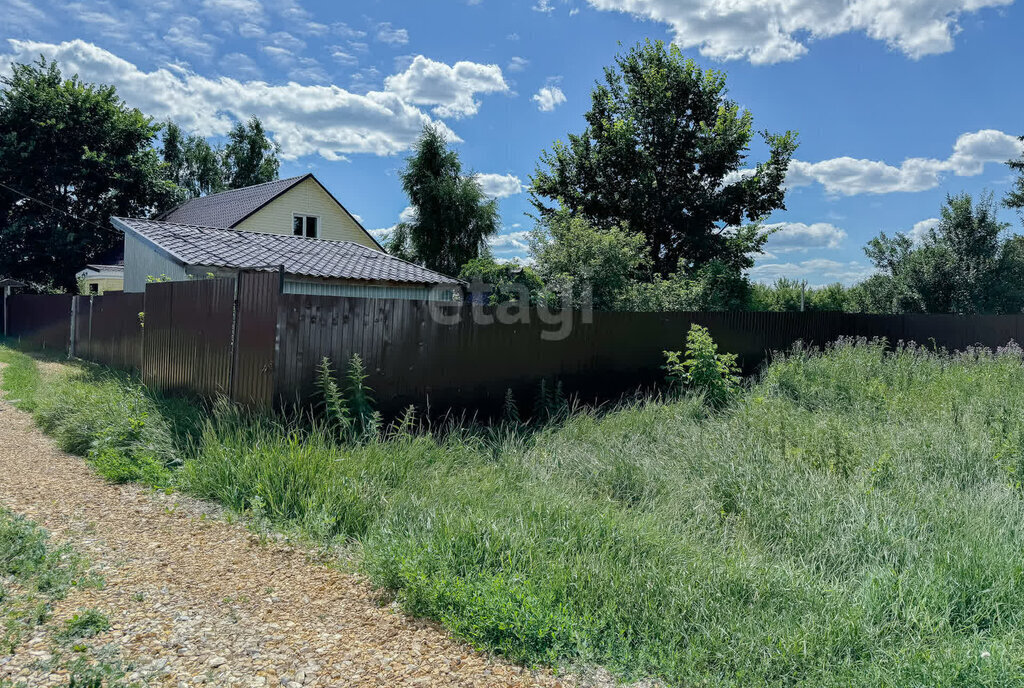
(228, 208)
(230, 248)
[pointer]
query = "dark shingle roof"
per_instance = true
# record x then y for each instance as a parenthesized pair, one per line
(229, 248)
(228, 208)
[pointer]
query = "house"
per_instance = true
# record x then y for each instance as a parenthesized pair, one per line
(293, 225)
(96, 279)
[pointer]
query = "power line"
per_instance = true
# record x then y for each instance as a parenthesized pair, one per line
(52, 207)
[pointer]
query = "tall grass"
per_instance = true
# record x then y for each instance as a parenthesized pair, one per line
(855, 518)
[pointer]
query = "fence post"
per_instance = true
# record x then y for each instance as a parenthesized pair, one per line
(71, 332)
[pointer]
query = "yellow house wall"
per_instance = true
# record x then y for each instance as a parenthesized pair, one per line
(105, 284)
(307, 198)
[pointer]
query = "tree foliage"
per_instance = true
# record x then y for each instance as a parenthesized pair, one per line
(249, 157)
(504, 282)
(663, 153)
(964, 264)
(1015, 198)
(453, 217)
(191, 163)
(83, 156)
(584, 265)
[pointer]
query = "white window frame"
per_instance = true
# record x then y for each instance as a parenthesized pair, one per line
(319, 225)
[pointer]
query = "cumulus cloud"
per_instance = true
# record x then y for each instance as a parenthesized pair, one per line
(305, 119)
(920, 229)
(384, 233)
(450, 89)
(797, 236)
(850, 176)
(817, 271)
(513, 242)
(548, 98)
(500, 185)
(769, 31)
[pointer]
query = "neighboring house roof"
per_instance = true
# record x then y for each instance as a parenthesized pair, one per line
(234, 249)
(228, 208)
(108, 271)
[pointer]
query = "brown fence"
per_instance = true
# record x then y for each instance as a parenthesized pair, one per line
(188, 328)
(108, 329)
(414, 356)
(260, 347)
(41, 321)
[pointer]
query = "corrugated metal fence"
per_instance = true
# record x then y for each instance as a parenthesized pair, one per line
(259, 346)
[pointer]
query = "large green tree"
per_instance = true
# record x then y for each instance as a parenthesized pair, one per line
(453, 217)
(664, 153)
(249, 157)
(72, 154)
(191, 163)
(1015, 198)
(965, 264)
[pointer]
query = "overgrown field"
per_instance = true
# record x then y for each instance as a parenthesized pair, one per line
(854, 518)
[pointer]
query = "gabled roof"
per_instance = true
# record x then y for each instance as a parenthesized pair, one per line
(228, 208)
(234, 249)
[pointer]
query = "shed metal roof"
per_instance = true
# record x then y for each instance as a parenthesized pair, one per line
(229, 248)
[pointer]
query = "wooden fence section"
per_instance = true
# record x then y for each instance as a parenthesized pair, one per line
(108, 329)
(248, 340)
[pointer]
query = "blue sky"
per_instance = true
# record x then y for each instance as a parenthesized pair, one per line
(897, 102)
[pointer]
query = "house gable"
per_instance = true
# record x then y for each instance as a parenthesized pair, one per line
(308, 198)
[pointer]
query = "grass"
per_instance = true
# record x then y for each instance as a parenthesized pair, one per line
(854, 518)
(33, 575)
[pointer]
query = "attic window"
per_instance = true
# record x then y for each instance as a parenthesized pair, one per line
(305, 225)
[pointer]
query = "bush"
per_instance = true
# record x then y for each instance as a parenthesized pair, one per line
(704, 370)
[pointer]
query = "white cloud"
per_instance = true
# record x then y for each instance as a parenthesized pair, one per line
(517, 64)
(920, 229)
(342, 57)
(450, 89)
(305, 119)
(386, 33)
(548, 98)
(513, 242)
(247, 10)
(237, 64)
(543, 6)
(500, 185)
(797, 236)
(384, 233)
(186, 35)
(850, 176)
(817, 271)
(769, 31)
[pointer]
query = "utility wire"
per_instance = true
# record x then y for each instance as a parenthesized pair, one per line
(51, 207)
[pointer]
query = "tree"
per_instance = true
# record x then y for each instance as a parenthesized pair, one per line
(453, 217)
(664, 154)
(586, 265)
(74, 155)
(504, 282)
(191, 163)
(1015, 199)
(249, 157)
(956, 267)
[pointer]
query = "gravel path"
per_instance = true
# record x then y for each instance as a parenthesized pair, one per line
(195, 600)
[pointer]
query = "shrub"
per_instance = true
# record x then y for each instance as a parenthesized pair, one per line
(704, 370)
